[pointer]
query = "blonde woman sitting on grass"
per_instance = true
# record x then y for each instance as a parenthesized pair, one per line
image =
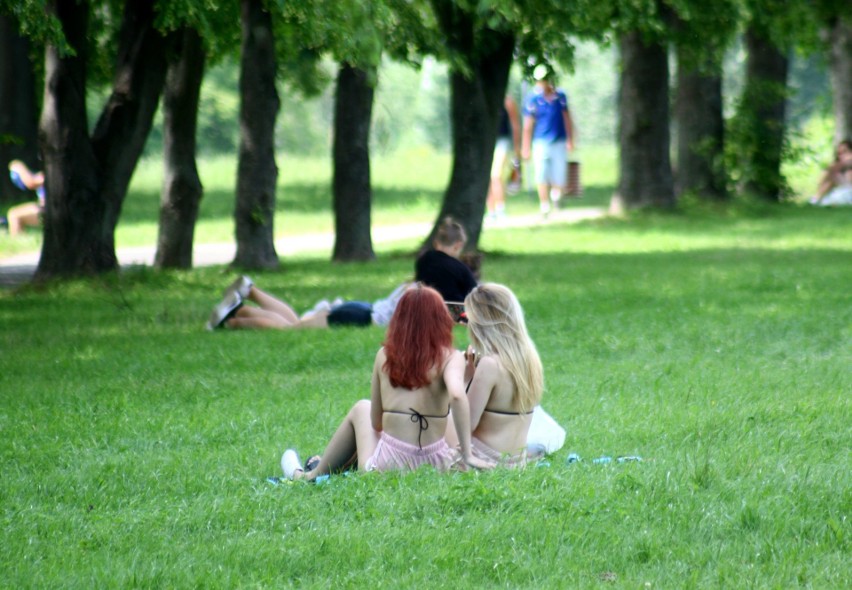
(504, 377)
(417, 379)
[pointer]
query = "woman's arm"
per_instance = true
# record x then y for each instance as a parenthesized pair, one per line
(461, 411)
(376, 409)
(483, 383)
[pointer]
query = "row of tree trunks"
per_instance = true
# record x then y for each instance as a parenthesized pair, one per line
(476, 103)
(18, 106)
(352, 192)
(87, 178)
(257, 173)
(182, 190)
(645, 173)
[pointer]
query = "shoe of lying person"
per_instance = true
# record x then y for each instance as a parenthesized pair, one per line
(225, 310)
(241, 286)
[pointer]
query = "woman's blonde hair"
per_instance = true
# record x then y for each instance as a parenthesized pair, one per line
(496, 325)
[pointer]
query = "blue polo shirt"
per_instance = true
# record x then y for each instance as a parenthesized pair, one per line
(549, 124)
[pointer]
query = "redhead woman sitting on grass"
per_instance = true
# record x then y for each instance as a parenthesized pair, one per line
(504, 377)
(417, 379)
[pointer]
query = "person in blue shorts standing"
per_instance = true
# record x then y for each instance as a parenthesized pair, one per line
(548, 137)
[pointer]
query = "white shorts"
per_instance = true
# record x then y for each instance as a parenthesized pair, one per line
(551, 161)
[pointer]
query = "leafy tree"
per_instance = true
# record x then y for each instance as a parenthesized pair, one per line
(182, 190)
(702, 31)
(199, 29)
(257, 171)
(839, 34)
(645, 174)
(87, 175)
(480, 45)
(351, 153)
(758, 130)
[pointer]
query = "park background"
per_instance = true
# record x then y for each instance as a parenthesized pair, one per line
(711, 340)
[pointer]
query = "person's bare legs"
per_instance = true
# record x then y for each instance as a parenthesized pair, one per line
(271, 303)
(496, 196)
(354, 436)
(544, 198)
(21, 216)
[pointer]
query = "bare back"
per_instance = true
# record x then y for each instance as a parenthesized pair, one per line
(494, 416)
(396, 409)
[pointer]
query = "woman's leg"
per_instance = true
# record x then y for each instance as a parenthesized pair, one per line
(248, 317)
(255, 318)
(355, 435)
(273, 304)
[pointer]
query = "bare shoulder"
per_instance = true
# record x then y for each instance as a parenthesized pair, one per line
(381, 357)
(489, 364)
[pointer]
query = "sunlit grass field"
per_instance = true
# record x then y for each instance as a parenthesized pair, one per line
(715, 344)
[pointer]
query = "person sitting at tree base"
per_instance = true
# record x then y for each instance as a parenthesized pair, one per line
(27, 214)
(835, 186)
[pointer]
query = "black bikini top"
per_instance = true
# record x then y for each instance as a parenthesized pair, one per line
(420, 418)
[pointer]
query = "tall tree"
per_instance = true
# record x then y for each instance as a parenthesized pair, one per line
(257, 173)
(480, 57)
(18, 104)
(701, 131)
(702, 31)
(351, 152)
(87, 176)
(182, 188)
(645, 175)
(763, 107)
(839, 32)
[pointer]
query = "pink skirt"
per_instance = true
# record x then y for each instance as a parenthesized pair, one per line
(482, 451)
(392, 454)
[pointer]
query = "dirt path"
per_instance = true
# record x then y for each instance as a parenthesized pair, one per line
(19, 268)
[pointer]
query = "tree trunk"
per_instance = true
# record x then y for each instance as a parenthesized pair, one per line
(700, 132)
(182, 190)
(18, 107)
(476, 103)
(762, 114)
(645, 165)
(257, 173)
(841, 78)
(87, 179)
(74, 214)
(353, 110)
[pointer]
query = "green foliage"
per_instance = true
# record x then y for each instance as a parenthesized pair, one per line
(136, 446)
(34, 22)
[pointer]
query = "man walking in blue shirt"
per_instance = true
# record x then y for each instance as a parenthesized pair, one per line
(548, 136)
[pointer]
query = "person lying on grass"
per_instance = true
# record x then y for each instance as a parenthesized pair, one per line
(269, 312)
(440, 268)
(417, 379)
(504, 377)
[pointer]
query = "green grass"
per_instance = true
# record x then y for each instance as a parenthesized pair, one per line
(135, 445)
(713, 343)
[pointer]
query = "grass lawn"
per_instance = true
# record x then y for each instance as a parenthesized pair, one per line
(714, 344)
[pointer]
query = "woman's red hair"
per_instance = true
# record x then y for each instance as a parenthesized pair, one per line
(420, 332)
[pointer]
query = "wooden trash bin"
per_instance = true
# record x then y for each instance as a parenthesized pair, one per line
(575, 186)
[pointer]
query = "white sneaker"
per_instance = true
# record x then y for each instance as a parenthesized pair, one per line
(241, 286)
(290, 464)
(224, 310)
(338, 301)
